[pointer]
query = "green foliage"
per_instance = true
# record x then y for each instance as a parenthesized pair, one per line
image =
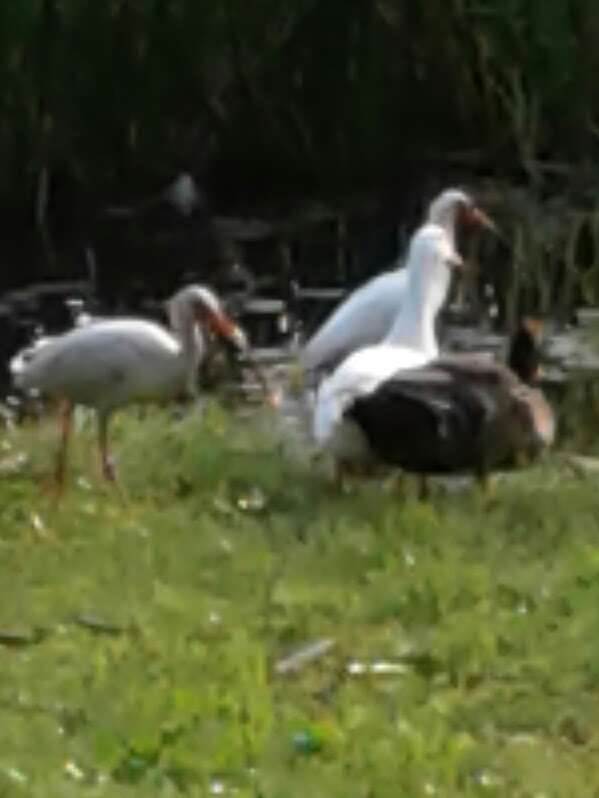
(334, 94)
(139, 643)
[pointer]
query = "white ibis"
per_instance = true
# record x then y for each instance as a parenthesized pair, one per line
(114, 362)
(411, 342)
(366, 316)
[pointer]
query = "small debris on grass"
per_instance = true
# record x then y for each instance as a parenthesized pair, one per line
(305, 742)
(222, 506)
(14, 774)
(377, 668)
(99, 625)
(83, 483)
(226, 545)
(38, 524)
(254, 501)
(303, 655)
(21, 637)
(73, 771)
(14, 465)
(488, 779)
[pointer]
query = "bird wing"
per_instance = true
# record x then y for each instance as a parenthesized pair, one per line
(363, 319)
(89, 363)
(359, 374)
(419, 420)
(535, 414)
(478, 367)
(475, 380)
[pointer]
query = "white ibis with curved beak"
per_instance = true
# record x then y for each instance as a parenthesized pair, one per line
(366, 316)
(410, 343)
(116, 362)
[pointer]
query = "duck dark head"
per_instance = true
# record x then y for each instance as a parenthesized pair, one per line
(525, 350)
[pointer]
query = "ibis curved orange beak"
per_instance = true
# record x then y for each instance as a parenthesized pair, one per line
(476, 217)
(534, 325)
(220, 324)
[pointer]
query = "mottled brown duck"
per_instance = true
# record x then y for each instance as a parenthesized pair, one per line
(460, 413)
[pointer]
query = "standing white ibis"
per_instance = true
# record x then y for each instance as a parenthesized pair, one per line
(366, 316)
(411, 342)
(114, 362)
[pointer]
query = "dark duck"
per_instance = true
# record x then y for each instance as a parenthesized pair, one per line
(460, 413)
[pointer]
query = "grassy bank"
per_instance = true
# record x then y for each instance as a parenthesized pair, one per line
(142, 644)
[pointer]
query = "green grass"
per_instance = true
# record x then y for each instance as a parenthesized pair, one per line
(146, 636)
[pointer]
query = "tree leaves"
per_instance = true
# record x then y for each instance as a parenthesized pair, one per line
(336, 92)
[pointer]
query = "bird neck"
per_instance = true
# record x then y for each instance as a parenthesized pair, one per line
(414, 326)
(445, 217)
(524, 357)
(184, 328)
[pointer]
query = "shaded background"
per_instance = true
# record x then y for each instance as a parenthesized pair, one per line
(269, 104)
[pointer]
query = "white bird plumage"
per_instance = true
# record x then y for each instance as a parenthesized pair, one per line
(366, 316)
(21, 358)
(411, 342)
(114, 362)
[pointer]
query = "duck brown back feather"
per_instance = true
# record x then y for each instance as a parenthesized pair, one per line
(460, 412)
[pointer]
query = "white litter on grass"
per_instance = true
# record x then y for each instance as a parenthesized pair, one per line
(14, 774)
(377, 668)
(304, 655)
(73, 771)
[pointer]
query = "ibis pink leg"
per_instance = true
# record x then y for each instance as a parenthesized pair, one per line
(108, 470)
(66, 416)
